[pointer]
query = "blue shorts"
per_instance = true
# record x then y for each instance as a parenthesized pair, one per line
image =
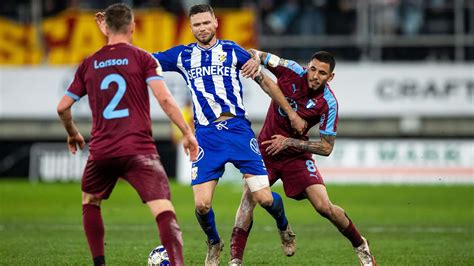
(231, 140)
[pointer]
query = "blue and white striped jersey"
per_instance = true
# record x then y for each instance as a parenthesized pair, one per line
(212, 76)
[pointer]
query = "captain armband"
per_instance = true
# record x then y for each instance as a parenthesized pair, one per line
(272, 60)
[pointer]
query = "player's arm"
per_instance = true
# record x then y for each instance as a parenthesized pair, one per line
(274, 91)
(168, 60)
(169, 106)
(74, 138)
(278, 66)
(323, 146)
(249, 66)
(265, 57)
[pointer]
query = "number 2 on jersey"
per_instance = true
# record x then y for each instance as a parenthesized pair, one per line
(109, 111)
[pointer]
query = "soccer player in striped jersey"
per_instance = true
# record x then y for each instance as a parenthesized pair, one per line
(116, 80)
(289, 156)
(211, 69)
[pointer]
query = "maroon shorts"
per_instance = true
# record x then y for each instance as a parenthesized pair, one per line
(144, 172)
(296, 174)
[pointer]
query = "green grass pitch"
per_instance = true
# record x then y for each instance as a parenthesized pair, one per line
(406, 225)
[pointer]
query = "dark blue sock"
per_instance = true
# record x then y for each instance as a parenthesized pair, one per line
(208, 225)
(278, 212)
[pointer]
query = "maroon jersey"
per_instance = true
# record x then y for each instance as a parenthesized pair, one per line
(115, 80)
(313, 106)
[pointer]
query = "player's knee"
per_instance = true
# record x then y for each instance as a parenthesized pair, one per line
(263, 197)
(265, 202)
(203, 207)
(90, 199)
(325, 210)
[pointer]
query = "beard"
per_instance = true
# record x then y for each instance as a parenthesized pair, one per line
(317, 87)
(207, 39)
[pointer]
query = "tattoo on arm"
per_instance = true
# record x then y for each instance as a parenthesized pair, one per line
(321, 147)
(259, 79)
(263, 55)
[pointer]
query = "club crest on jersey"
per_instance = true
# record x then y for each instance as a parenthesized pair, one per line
(310, 104)
(293, 105)
(254, 146)
(222, 57)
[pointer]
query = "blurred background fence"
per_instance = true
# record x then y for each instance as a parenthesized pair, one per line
(404, 79)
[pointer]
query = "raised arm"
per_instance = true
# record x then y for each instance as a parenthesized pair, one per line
(322, 147)
(278, 66)
(271, 88)
(169, 106)
(74, 138)
(267, 58)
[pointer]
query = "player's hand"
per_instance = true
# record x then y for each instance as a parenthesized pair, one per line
(100, 20)
(74, 141)
(276, 144)
(297, 123)
(251, 68)
(191, 147)
(99, 17)
(253, 53)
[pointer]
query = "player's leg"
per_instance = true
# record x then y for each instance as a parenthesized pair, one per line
(273, 204)
(242, 226)
(170, 232)
(205, 173)
(318, 196)
(203, 194)
(147, 175)
(98, 182)
(247, 158)
(271, 201)
(93, 227)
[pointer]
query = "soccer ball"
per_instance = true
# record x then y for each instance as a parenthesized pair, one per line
(158, 257)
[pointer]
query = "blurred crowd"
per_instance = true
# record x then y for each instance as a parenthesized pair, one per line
(307, 17)
(331, 17)
(339, 17)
